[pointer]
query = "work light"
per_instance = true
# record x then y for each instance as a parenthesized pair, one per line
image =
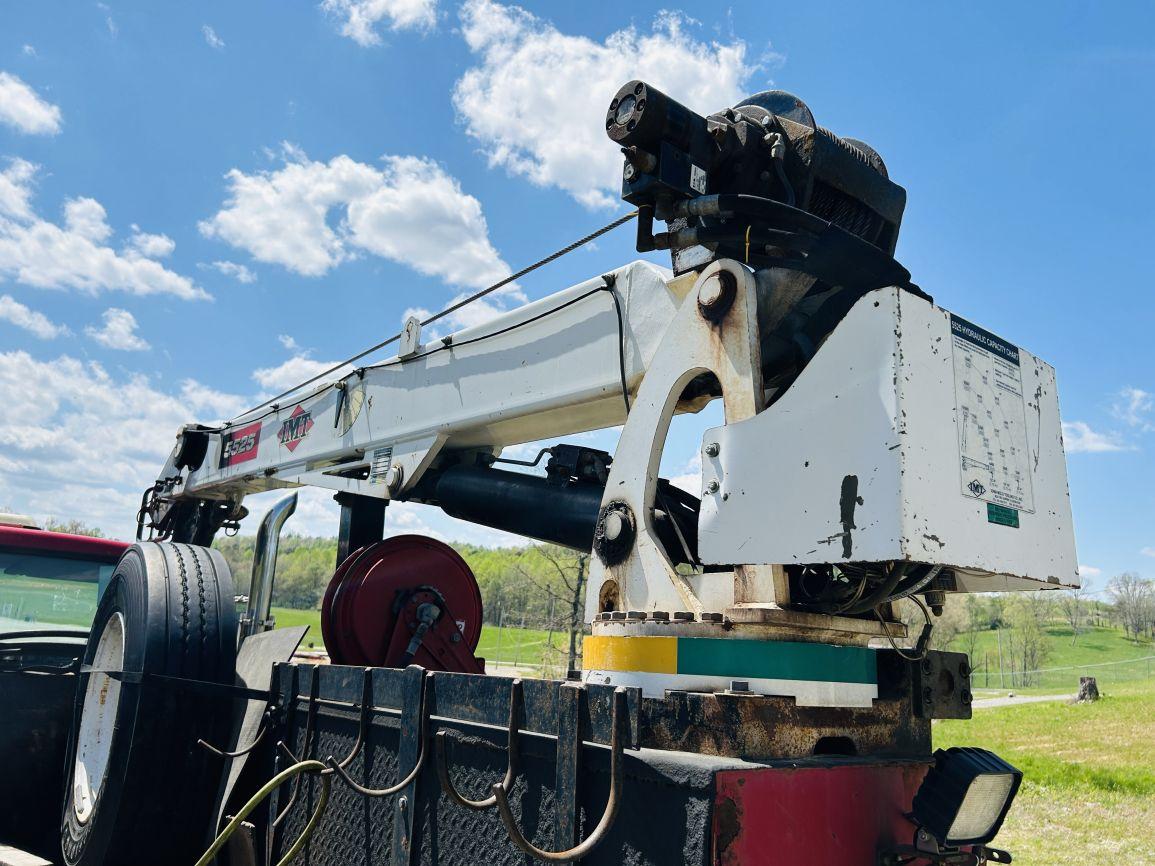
(965, 796)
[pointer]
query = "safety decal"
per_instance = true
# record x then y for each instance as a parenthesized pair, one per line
(991, 418)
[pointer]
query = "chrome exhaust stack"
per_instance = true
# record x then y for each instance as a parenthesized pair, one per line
(258, 614)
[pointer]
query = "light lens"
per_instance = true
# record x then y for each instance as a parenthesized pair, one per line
(981, 807)
(625, 109)
(965, 796)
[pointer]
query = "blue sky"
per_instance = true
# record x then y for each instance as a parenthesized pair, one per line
(199, 203)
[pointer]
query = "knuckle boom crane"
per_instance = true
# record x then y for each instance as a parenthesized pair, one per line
(875, 447)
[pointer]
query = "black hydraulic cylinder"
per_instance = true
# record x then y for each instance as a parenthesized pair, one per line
(528, 505)
(564, 514)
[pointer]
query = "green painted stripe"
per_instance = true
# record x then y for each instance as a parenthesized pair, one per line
(776, 660)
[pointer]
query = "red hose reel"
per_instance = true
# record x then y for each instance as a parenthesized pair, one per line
(406, 600)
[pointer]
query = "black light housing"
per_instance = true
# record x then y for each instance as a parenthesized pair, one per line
(965, 796)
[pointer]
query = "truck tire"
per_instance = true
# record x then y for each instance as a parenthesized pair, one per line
(139, 789)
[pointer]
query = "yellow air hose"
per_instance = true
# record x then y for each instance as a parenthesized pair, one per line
(257, 798)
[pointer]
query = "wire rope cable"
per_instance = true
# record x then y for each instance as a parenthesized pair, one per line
(452, 308)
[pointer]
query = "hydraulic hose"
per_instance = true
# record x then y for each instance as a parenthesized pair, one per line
(259, 797)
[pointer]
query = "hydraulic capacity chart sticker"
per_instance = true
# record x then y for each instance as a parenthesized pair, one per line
(992, 418)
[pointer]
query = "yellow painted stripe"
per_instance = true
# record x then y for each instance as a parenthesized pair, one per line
(658, 655)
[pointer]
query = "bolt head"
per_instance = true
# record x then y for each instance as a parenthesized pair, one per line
(629, 171)
(614, 526)
(716, 295)
(713, 449)
(711, 292)
(713, 487)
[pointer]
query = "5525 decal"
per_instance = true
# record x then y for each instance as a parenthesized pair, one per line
(240, 445)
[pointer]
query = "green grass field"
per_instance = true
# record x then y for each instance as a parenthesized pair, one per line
(1116, 659)
(522, 646)
(1088, 793)
(46, 602)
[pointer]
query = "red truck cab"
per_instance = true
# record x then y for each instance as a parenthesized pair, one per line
(49, 586)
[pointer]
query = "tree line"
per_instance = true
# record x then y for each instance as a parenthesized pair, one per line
(543, 587)
(515, 582)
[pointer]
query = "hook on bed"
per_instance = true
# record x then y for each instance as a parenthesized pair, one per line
(338, 767)
(506, 784)
(613, 802)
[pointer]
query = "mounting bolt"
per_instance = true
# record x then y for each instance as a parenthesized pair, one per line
(712, 449)
(629, 171)
(393, 479)
(614, 533)
(683, 616)
(614, 526)
(713, 486)
(716, 295)
(711, 617)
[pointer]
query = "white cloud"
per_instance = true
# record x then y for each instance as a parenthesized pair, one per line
(1078, 436)
(409, 211)
(16, 189)
(1148, 551)
(1133, 406)
(35, 323)
(78, 442)
(220, 404)
(288, 342)
(40, 253)
(22, 108)
(118, 331)
(1089, 571)
(690, 478)
(238, 272)
(537, 99)
(290, 373)
(86, 218)
(359, 18)
(149, 246)
(212, 39)
(28, 50)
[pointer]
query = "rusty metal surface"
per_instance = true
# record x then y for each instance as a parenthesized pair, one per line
(768, 728)
(771, 728)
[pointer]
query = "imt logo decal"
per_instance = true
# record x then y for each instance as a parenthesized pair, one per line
(240, 445)
(977, 488)
(295, 428)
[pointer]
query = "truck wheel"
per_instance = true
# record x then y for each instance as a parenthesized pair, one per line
(139, 789)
